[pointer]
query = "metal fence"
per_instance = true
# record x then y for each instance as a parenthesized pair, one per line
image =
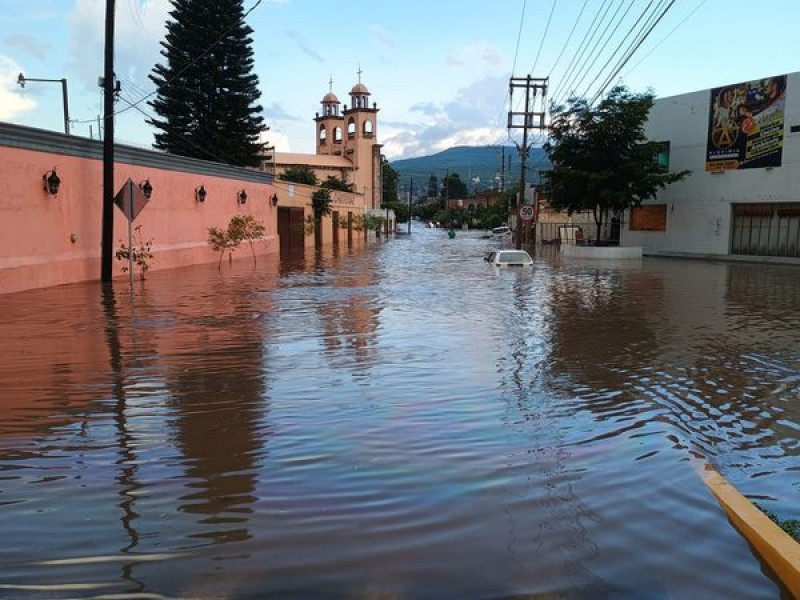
(766, 229)
(573, 232)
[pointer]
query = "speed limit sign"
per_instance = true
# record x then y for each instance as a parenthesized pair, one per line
(526, 212)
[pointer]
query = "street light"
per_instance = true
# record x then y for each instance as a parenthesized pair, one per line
(22, 80)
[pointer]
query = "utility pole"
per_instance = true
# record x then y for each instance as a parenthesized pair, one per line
(410, 195)
(108, 148)
(503, 170)
(530, 119)
(446, 186)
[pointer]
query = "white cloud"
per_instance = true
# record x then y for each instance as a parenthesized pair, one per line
(275, 112)
(13, 100)
(480, 136)
(477, 53)
(429, 109)
(29, 45)
(303, 45)
(491, 55)
(277, 139)
(401, 144)
(383, 36)
(140, 26)
(474, 116)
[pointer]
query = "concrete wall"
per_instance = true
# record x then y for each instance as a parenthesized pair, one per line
(49, 240)
(699, 213)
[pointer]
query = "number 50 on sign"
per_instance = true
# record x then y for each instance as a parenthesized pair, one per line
(526, 212)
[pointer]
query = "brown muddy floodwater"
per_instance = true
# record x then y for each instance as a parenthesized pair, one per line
(403, 421)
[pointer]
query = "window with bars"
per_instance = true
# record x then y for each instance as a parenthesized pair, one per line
(766, 229)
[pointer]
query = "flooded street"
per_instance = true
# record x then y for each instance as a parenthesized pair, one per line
(401, 421)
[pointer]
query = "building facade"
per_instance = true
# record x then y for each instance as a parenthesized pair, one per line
(52, 234)
(347, 148)
(741, 143)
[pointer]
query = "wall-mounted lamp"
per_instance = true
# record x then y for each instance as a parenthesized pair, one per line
(51, 182)
(242, 197)
(147, 188)
(200, 193)
(274, 199)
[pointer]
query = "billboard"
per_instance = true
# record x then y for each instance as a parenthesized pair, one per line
(745, 125)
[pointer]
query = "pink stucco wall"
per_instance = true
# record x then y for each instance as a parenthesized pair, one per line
(49, 240)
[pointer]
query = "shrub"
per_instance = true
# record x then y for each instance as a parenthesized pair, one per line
(141, 250)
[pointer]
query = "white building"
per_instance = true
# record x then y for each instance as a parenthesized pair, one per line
(742, 144)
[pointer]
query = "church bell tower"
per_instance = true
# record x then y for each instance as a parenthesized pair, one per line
(329, 125)
(361, 142)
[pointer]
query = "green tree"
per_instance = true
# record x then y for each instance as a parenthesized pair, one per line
(454, 187)
(141, 251)
(321, 206)
(241, 228)
(389, 178)
(373, 223)
(401, 211)
(334, 183)
(300, 174)
(246, 228)
(321, 203)
(207, 92)
(601, 158)
(433, 186)
(221, 241)
(425, 212)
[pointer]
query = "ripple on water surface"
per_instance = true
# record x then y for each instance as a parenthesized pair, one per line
(397, 421)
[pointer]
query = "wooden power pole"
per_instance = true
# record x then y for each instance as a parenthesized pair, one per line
(526, 120)
(108, 148)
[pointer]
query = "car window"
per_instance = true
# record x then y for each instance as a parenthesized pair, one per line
(514, 257)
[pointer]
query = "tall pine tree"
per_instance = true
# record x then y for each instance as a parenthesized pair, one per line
(207, 98)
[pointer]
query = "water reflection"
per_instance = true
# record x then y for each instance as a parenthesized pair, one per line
(127, 463)
(398, 420)
(219, 405)
(708, 350)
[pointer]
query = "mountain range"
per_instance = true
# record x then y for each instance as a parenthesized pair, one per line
(479, 167)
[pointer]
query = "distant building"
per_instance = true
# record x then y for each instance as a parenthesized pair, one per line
(486, 199)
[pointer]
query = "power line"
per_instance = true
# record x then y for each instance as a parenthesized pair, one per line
(136, 13)
(568, 75)
(194, 61)
(502, 111)
(618, 48)
(181, 138)
(664, 39)
(544, 36)
(569, 37)
(519, 36)
(631, 52)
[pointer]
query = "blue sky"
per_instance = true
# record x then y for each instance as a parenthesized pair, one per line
(438, 70)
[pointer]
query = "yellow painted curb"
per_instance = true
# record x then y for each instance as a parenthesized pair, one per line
(775, 546)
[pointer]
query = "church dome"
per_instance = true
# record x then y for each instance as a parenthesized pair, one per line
(359, 89)
(330, 98)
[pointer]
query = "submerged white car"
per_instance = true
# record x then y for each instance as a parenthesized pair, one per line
(509, 258)
(501, 232)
